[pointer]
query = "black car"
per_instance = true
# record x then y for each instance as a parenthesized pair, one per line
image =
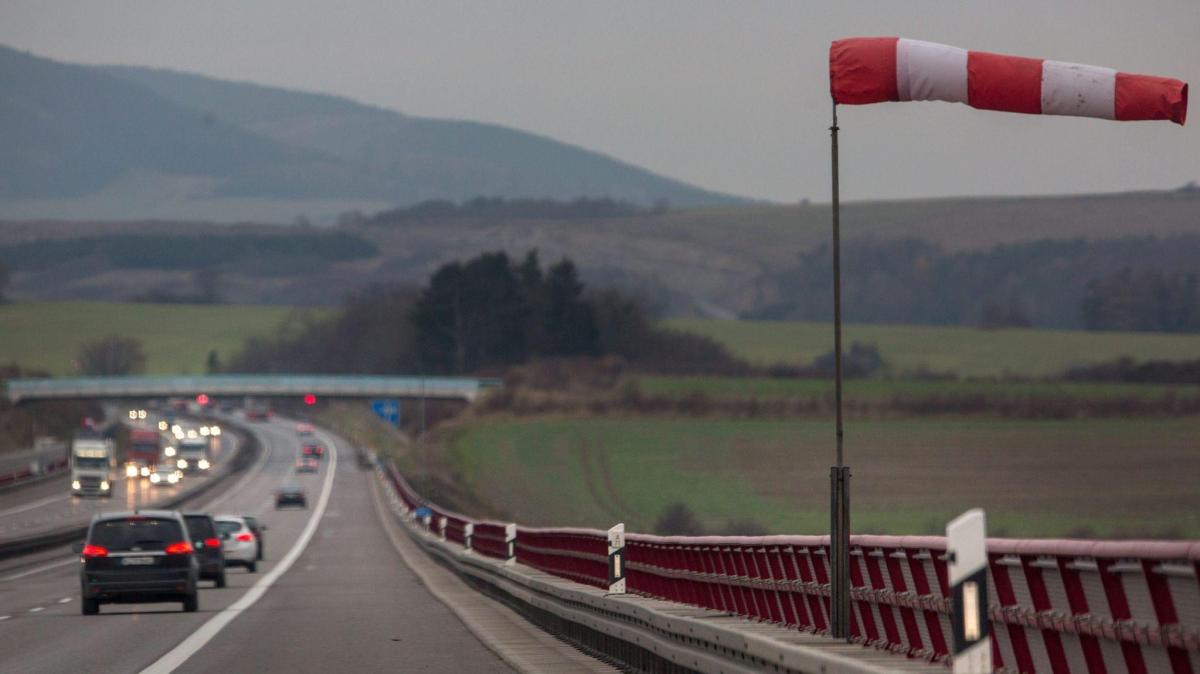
(290, 495)
(203, 531)
(259, 529)
(136, 557)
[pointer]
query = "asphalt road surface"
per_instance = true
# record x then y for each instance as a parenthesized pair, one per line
(332, 594)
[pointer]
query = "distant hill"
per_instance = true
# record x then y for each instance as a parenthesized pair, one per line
(123, 142)
(719, 261)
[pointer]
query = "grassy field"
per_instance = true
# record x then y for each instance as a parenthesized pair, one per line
(967, 352)
(1104, 478)
(176, 337)
(886, 389)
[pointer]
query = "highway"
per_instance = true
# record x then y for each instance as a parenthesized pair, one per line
(331, 594)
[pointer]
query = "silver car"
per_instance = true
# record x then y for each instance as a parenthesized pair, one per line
(238, 542)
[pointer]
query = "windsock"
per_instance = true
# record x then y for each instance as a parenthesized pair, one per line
(878, 69)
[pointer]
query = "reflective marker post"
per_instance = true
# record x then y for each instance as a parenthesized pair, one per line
(442, 521)
(468, 534)
(966, 550)
(510, 544)
(616, 559)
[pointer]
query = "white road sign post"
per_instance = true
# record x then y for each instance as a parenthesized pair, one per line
(966, 549)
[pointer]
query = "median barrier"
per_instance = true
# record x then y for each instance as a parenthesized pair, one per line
(1055, 605)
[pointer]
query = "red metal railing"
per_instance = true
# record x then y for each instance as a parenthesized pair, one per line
(1057, 606)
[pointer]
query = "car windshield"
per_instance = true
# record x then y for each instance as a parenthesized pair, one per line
(290, 489)
(228, 526)
(141, 532)
(200, 526)
(89, 462)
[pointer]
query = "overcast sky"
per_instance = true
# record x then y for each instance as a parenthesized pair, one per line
(731, 96)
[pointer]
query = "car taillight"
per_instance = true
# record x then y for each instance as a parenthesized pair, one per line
(94, 551)
(245, 537)
(180, 548)
(212, 542)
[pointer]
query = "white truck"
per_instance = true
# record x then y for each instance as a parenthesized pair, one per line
(92, 461)
(192, 455)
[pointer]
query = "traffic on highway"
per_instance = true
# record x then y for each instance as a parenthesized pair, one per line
(155, 587)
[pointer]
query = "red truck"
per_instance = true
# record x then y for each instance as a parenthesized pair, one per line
(143, 452)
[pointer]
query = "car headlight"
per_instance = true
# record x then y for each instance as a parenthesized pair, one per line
(215, 430)
(204, 430)
(162, 425)
(75, 485)
(155, 478)
(203, 464)
(104, 485)
(131, 471)
(132, 414)
(141, 414)
(182, 463)
(169, 451)
(172, 478)
(145, 471)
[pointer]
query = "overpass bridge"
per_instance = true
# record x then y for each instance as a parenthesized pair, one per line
(337, 386)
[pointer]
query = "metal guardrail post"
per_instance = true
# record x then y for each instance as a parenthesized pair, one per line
(966, 549)
(616, 559)
(510, 544)
(468, 534)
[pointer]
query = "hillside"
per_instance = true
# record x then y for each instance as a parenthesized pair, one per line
(719, 261)
(124, 143)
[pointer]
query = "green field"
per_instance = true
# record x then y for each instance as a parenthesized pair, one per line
(871, 390)
(1121, 478)
(176, 337)
(967, 352)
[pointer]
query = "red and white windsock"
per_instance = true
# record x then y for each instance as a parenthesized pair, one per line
(877, 69)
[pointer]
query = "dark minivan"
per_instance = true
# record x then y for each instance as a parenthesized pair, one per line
(207, 543)
(137, 557)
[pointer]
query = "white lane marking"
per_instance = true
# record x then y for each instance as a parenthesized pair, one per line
(35, 609)
(64, 600)
(5, 617)
(35, 504)
(198, 639)
(40, 569)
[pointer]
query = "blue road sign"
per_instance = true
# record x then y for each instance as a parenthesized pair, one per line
(387, 409)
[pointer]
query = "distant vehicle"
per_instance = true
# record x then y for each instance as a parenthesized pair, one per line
(305, 430)
(137, 557)
(290, 495)
(166, 475)
(259, 530)
(92, 460)
(144, 448)
(192, 455)
(315, 451)
(207, 544)
(257, 411)
(307, 464)
(238, 542)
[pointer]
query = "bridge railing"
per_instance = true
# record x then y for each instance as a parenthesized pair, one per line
(1056, 605)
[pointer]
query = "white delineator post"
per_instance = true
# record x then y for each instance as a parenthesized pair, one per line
(442, 528)
(468, 533)
(616, 559)
(510, 544)
(966, 550)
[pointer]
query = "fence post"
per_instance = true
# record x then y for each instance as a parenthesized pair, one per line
(442, 528)
(468, 533)
(425, 522)
(510, 544)
(616, 559)
(966, 550)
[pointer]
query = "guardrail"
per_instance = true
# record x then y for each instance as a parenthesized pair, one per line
(1055, 605)
(47, 457)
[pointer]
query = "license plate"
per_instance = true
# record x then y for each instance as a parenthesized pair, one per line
(137, 561)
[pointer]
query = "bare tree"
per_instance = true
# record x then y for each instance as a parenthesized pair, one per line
(113, 354)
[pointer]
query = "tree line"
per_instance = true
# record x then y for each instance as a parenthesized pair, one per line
(1134, 283)
(481, 315)
(583, 208)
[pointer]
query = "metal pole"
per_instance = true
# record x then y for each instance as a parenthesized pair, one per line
(839, 475)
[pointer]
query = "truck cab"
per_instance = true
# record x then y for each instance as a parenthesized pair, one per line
(143, 452)
(192, 455)
(92, 461)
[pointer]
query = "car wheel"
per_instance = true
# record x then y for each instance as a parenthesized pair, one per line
(221, 578)
(259, 556)
(89, 606)
(252, 567)
(191, 602)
